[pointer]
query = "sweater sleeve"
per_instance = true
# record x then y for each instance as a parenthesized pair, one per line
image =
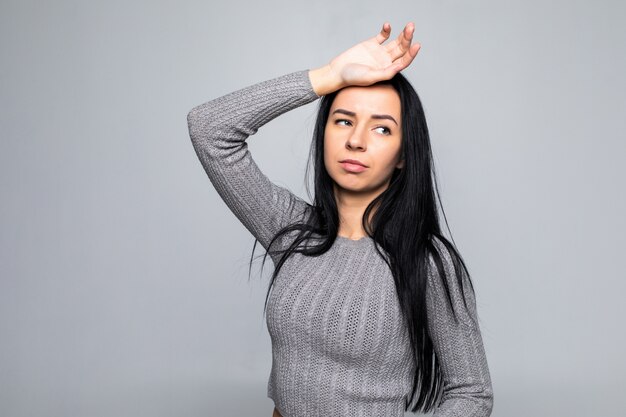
(467, 390)
(218, 130)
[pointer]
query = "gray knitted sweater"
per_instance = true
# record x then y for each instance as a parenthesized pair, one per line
(340, 346)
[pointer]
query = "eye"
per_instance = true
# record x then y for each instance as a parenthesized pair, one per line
(343, 122)
(383, 130)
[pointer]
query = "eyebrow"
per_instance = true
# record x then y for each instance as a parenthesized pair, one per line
(374, 116)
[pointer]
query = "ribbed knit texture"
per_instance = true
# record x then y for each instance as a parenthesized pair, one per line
(339, 344)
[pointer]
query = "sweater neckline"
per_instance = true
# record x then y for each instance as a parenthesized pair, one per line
(362, 240)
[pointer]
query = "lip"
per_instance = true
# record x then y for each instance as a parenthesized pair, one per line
(354, 162)
(352, 167)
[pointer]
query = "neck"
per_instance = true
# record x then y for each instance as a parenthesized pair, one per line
(351, 208)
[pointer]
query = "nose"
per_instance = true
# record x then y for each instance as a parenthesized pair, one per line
(356, 141)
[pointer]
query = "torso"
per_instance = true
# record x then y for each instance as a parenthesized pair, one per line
(337, 317)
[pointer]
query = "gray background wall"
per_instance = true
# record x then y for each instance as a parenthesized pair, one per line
(123, 288)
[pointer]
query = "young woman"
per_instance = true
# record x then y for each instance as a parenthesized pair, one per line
(370, 309)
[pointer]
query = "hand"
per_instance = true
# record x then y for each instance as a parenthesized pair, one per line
(367, 62)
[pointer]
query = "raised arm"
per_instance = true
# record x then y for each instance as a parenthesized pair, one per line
(458, 345)
(218, 131)
(220, 127)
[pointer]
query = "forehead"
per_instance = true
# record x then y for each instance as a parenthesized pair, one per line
(379, 99)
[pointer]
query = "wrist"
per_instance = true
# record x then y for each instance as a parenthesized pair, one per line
(324, 80)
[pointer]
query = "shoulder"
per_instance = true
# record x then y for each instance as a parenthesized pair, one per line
(441, 253)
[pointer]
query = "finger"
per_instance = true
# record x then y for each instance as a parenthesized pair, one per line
(396, 66)
(407, 34)
(384, 33)
(402, 43)
(406, 59)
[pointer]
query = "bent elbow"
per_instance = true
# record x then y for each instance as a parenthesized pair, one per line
(483, 400)
(477, 402)
(487, 400)
(193, 123)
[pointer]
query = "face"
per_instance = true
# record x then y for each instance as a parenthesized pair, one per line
(364, 125)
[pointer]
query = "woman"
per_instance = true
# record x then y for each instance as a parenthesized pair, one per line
(370, 309)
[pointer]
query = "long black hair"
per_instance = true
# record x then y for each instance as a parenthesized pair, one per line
(405, 224)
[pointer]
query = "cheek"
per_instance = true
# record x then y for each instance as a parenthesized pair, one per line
(388, 155)
(389, 160)
(397, 151)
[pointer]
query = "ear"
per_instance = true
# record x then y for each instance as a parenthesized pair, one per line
(400, 164)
